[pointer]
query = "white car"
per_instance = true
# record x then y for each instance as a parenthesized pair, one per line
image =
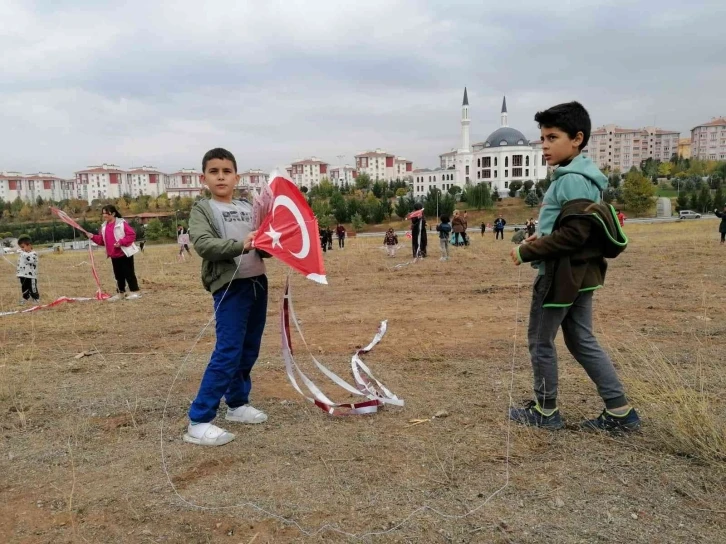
(688, 214)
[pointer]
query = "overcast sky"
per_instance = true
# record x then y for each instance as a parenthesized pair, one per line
(159, 82)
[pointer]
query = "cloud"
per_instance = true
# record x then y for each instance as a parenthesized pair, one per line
(160, 82)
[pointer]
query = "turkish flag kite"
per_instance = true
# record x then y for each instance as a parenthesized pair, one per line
(290, 231)
(413, 215)
(63, 216)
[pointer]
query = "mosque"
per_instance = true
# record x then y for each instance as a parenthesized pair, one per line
(505, 156)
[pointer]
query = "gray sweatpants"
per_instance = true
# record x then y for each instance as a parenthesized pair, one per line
(576, 323)
(444, 244)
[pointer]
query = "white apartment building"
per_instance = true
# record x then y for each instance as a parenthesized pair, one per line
(622, 148)
(253, 180)
(708, 141)
(383, 166)
(423, 179)
(343, 174)
(145, 180)
(185, 182)
(99, 182)
(308, 172)
(31, 186)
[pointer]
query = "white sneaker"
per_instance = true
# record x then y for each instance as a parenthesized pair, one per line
(23, 302)
(246, 414)
(133, 296)
(114, 298)
(206, 434)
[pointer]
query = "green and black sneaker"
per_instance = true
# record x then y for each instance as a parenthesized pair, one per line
(533, 416)
(607, 421)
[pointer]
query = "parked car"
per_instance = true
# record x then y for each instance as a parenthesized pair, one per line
(688, 214)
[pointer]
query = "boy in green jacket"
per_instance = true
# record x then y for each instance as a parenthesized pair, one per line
(575, 234)
(221, 231)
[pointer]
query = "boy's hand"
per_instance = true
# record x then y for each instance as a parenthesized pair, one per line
(248, 240)
(530, 238)
(515, 257)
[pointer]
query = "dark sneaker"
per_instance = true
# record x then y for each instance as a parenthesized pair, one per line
(532, 416)
(612, 423)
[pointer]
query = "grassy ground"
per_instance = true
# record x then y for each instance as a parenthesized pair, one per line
(81, 455)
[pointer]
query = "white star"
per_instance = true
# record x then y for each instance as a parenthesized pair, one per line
(272, 233)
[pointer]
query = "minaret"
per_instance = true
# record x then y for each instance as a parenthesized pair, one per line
(465, 121)
(505, 123)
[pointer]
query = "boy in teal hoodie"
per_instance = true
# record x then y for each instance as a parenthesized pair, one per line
(565, 131)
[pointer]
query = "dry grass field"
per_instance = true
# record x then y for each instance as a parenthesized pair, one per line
(81, 454)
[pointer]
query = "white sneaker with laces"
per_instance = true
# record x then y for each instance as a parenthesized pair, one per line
(114, 298)
(246, 414)
(133, 296)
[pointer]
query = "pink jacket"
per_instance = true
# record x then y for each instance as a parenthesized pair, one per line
(108, 239)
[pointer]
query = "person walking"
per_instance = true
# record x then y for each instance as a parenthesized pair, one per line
(483, 228)
(530, 226)
(419, 239)
(466, 226)
(722, 226)
(340, 231)
(182, 238)
(444, 230)
(499, 224)
(390, 240)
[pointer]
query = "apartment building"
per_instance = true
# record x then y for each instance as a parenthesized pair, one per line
(423, 179)
(29, 187)
(380, 165)
(684, 148)
(185, 182)
(145, 180)
(622, 148)
(708, 141)
(343, 174)
(99, 182)
(253, 180)
(308, 172)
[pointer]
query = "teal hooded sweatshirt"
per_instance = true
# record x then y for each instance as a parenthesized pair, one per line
(579, 179)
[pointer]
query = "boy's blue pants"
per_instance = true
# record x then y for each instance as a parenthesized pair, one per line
(240, 314)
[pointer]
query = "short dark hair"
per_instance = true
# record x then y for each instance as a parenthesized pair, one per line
(418, 206)
(571, 117)
(110, 208)
(24, 239)
(445, 218)
(218, 153)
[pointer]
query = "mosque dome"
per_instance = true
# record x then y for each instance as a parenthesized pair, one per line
(505, 136)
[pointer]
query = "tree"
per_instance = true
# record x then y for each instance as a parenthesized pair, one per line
(531, 199)
(432, 201)
(705, 202)
(155, 230)
(357, 222)
(401, 191)
(479, 196)
(322, 211)
(665, 169)
(363, 181)
(402, 207)
(495, 195)
(718, 199)
(528, 185)
(682, 202)
(339, 207)
(447, 205)
(454, 190)
(514, 187)
(637, 193)
(379, 189)
(693, 201)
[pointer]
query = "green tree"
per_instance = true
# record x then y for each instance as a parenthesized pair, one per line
(155, 230)
(495, 195)
(531, 199)
(447, 205)
(479, 196)
(718, 199)
(514, 187)
(454, 190)
(402, 207)
(322, 211)
(682, 201)
(637, 193)
(357, 221)
(379, 189)
(693, 201)
(401, 191)
(339, 207)
(432, 201)
(363, 181)
(705, 202)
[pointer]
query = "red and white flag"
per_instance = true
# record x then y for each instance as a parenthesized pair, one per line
(414, 215)
(290, 231)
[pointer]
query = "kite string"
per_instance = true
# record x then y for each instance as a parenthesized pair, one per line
(329, 527)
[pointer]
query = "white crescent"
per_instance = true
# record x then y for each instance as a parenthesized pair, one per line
(287, 202)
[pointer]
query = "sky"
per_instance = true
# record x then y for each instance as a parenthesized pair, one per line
(132, 83)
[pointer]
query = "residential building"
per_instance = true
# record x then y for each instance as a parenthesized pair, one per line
(29, 187)
(308, 172)
(253, 180)
(622, 148)
(185, 182)
(101, 182)
(505, 156)
(145, 180)
(383, 166)
(708, 141)
(343, 174)
(684, 148)
(423, 179)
